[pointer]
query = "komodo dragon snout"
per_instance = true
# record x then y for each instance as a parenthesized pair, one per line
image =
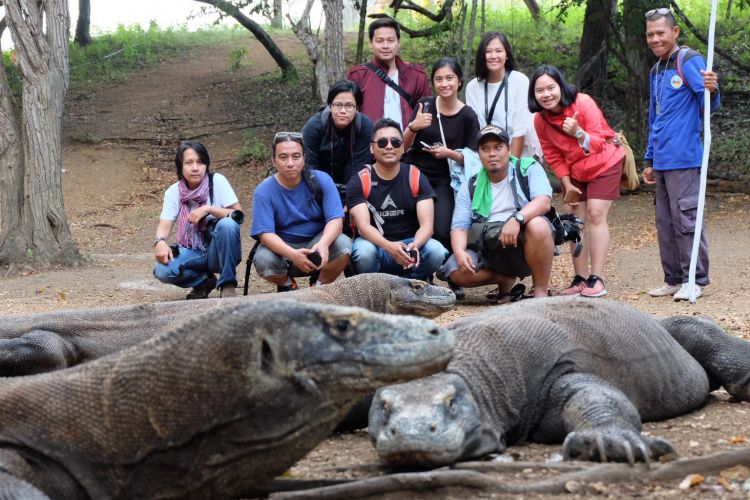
(432, 421)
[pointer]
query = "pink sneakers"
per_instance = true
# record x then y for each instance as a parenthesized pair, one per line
(576, 287)
(594, 287)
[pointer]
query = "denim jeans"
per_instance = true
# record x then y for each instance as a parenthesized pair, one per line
(189, 269)
(368, 258)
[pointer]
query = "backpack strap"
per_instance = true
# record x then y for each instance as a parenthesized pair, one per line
(680, 60)
(313, 185)
(389, 81)
(211, 186)
(472, 181)
(414, 174)
(366, 179)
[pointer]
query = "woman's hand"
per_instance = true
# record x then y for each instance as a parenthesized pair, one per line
(421, 120)
(163, 252)
(440, 152)
(197, 214)
(570, 125)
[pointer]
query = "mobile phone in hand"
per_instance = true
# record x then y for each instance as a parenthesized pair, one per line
(414, 255)
(315, 258)
(425, 145)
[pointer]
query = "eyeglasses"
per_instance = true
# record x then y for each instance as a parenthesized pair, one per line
(662, 11)
(287, 136)
(338, 106)
(382, 143)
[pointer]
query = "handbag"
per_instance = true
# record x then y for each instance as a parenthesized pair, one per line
(629, 180)
(485, 236)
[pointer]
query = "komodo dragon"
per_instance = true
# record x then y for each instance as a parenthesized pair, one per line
(577, 371)
(212, 409)
(36, 343)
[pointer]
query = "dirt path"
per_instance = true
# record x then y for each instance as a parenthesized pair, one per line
(118, 161)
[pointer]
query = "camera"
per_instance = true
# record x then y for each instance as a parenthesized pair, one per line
(568, 228)
(211, 221)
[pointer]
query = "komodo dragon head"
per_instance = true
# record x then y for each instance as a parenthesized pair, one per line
(416, 297)
(429, 422)
(213, 408)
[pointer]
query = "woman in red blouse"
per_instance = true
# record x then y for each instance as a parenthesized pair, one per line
(579, 145)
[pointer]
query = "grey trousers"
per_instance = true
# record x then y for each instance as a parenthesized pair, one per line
(676, 211)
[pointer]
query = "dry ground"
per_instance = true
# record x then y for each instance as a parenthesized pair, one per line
(118, 161)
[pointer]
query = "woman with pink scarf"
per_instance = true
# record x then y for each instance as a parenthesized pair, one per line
(208, 233)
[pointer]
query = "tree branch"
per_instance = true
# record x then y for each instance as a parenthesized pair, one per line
(433, 30)
(737, 63)
(468, 478)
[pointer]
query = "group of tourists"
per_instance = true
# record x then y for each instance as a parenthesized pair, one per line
(387, 177)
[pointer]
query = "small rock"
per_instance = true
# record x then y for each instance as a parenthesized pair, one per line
(746, 486)
(573, 487)
(555, 458)
(736, 473)
(503, 459)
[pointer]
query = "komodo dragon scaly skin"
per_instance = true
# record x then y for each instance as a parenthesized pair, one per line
(578, 371)
(212, 409)
(37, 343)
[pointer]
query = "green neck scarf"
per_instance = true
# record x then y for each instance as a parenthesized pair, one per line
(481, 202)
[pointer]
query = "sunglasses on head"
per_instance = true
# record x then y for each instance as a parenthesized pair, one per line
(662, 11)
(382, 143)
(287, 136)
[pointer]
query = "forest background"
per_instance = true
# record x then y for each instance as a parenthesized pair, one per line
(599, 44)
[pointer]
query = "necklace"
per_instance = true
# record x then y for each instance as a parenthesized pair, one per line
(659, 81)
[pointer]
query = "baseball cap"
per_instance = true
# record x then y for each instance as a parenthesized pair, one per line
(493, 131)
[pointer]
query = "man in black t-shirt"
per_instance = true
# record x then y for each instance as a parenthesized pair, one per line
(394, 220)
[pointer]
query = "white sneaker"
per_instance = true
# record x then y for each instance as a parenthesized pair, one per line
(684, 293)
(664, 290)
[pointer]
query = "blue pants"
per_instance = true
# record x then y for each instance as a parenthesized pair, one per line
(190, 268)
(368, 258)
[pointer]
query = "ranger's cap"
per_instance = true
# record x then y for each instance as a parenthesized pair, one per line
(493, 131)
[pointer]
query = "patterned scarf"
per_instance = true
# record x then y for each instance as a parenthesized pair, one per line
(190, 235)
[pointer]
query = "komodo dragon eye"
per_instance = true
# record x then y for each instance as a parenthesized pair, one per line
(341, 326)
(418, 285)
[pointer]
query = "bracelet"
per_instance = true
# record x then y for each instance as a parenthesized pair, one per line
(412, 128)
(158, 239)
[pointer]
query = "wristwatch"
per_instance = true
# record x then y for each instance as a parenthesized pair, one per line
(519, 217)
(579, 133)
(160, 238)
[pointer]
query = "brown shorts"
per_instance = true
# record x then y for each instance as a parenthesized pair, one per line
(604, 187)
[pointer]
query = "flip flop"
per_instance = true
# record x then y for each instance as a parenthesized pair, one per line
(516, 293)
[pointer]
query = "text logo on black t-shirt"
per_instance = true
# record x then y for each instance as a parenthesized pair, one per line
(388, 202)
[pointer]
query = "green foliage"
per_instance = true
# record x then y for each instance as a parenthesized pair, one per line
(253, 148)
(113, 56)
(235, 58)
(12, 73)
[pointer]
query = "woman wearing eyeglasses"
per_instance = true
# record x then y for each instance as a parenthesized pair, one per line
(337, 138)
(439, 129)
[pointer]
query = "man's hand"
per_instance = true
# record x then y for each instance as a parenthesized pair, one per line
(399, 253)
(421, 120)
(570, 125)
(300, 261)
(710, 80)
(464, 262)
(648, 176)
(509, 234)
(163, 252)
(323, 251)
(198, 214)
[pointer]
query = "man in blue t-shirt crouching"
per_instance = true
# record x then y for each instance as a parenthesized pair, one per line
(299, 234)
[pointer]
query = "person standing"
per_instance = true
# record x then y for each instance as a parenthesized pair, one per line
(390, 86)
(578, 143)
(498, 94)
(674, 153)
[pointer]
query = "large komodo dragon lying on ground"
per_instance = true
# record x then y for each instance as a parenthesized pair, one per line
(36, 343)
(559, 369)
(212, 409)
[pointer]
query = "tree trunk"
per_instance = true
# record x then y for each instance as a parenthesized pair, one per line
(277, 21)
(334, 42)
(33, 227)
(83, 35)
(533, 8)
(470, 36)
(637, 58)
(288, 71)
(361, 33)
(594, 48)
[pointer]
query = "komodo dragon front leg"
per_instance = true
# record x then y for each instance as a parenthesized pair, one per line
(212, 409)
